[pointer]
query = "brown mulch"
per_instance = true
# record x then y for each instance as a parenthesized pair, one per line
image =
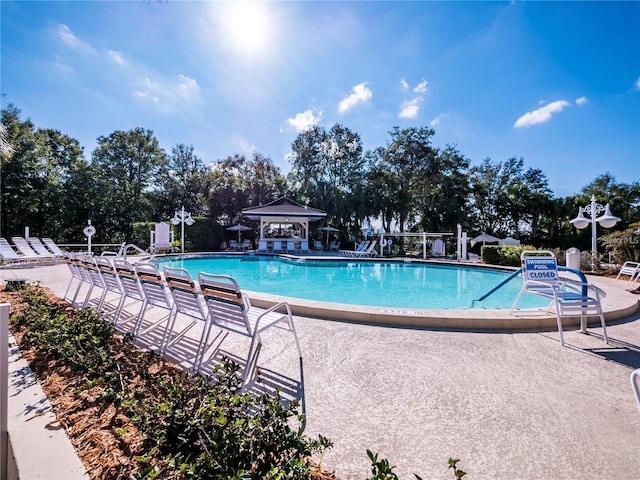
(105, 439)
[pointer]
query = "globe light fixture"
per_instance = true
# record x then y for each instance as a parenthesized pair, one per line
(182, 217)
(607, 220)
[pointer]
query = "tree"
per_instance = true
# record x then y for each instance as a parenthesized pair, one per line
(128, 165)
(238, 183)
(185, 182)
(406, 169)
(326, 168)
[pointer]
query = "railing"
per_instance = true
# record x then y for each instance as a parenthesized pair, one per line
(583, 282)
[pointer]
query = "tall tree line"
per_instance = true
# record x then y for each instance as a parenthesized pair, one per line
(408, 184)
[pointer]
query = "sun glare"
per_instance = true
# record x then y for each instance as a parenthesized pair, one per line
(248, 26)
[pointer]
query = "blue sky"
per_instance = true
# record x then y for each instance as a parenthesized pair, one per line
(557, 83)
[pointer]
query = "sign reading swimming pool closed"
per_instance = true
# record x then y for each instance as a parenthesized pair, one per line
(540, 268)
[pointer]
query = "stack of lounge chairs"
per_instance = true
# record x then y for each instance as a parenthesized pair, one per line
(29, 251)
(182, 318)
(365, 249)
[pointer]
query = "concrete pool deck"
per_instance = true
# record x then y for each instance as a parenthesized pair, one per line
(510, 404)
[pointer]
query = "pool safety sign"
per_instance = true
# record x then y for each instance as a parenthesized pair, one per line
(540, 268)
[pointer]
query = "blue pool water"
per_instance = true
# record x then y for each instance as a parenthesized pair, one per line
(377, 284)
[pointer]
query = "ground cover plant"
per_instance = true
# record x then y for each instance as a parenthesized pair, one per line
(133, 415)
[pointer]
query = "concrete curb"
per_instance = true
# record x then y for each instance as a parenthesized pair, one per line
(38, 444)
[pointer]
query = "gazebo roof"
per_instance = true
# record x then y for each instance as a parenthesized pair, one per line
(284, 207)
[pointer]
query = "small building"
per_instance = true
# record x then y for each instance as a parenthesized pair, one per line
(284, 219)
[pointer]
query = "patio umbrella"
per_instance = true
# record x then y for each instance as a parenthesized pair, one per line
(484, 238)
(328, 228)
(239, 228)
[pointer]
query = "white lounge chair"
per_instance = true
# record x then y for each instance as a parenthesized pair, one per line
(631, 270)
(568, 297)
(41, 250)
(156, 295)
(359, 248)
(10, 256)
(51, 245)
(231, 310)
(369, 251)
(23, 247)
(187, 302)
(132, 290)
(262, 246)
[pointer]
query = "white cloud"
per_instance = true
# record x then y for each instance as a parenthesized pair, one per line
(188, 88)
(305, 120)
(422, 87)
(404, 84)
(581, 100)
(168, 94)
(71, 40)
(116, 56)
(436, 121)
(541, 115)
(410, 108)
(360, 94)
(637, 84)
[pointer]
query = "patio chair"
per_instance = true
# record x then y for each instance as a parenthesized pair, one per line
(304, 246)
(291, 246)
(231, 310)
(75, 276)
(334, 246)
(245, 245)
(10, 256)
(317, 245)
(569, 298)
(23, 247)
(161, 238)
(262, 246)
(131, 289)
(51, 245)
(111, 285)
(631, 270)
(635, 378)
(91, 275)
(187, 302)
(41, 250)
(156, 294)
(360, 248)
(438, 248)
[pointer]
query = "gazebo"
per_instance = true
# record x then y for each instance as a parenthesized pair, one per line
(283, 220)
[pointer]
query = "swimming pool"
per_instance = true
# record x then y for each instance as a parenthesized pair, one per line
(381, 284)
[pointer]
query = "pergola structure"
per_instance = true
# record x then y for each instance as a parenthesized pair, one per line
(284, 219)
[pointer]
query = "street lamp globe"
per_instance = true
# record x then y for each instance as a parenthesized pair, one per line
(607, 220)
(580, 221)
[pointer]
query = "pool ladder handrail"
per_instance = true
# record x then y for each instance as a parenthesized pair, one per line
(583, 282)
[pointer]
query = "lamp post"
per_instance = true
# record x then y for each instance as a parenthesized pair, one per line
(607, 221)
(182, 217)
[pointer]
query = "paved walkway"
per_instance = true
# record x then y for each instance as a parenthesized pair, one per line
(509, 405)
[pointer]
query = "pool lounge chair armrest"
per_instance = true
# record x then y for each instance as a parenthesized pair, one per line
(273, 309)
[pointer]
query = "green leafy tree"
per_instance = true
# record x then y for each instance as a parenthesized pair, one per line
(128, 166)
(327, 172)
(238, 183)
(185, 182)
(406, 171)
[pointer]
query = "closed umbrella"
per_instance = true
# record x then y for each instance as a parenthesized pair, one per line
(328, 229)
(239, 228)
(484, 238)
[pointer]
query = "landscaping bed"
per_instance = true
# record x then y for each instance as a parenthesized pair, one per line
(131, 414)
